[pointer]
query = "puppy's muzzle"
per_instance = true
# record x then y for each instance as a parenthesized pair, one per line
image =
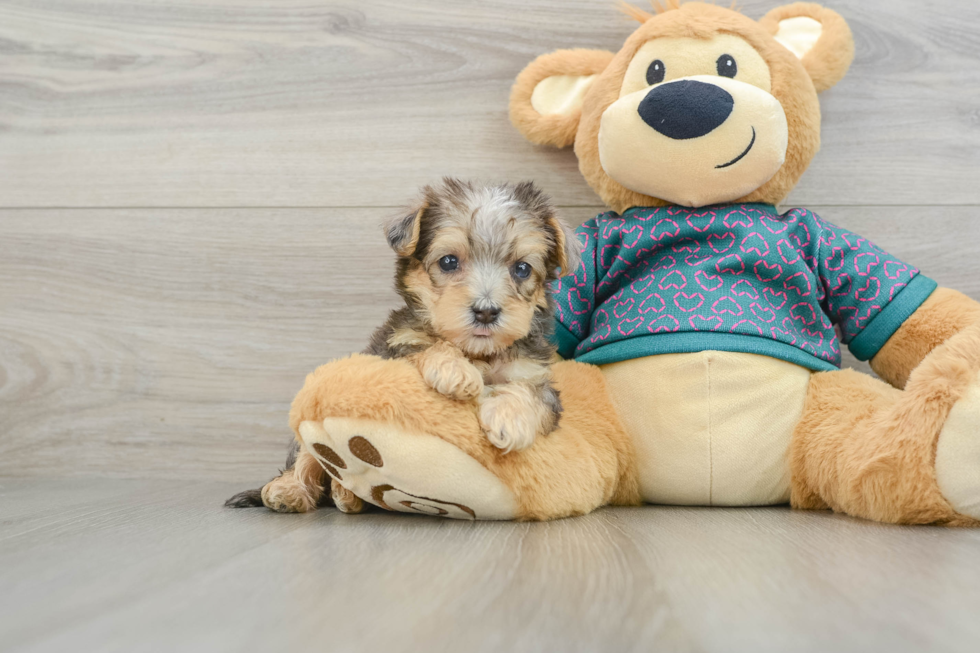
(686, 108)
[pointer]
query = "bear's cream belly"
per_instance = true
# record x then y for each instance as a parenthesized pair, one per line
(711, 428)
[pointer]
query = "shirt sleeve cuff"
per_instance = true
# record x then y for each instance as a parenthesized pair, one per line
(564, 340)
(874, 336)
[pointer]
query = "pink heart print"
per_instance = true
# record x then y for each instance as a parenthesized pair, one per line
(744, 288)
(843, 287)
(721, 243)
(870, 291)
(665, 228)
(653, 303)
(763, 313)
(776, 298)
(754, 242)
(709, 282)
(627, 327)
(798, 282)
(675, 280)
(645, 281)
(743, 325)
(787, 252)
(575, 299)
(864, 262)
(611, 226)
(701, 323)
(783, 335)
(688, 245)
(622, 309)
(664, 324)
(895, 269)
(688, 302)
(630, 237)
(727, 305)
(738, 218)
(701, 221)
(732, 264)
(803, 313)
(766, 272)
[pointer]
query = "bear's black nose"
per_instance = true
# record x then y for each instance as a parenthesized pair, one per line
(686, 108)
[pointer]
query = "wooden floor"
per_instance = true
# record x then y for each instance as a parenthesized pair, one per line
(138, 565)
(190, 196)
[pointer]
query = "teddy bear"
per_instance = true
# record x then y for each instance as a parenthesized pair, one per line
(702, 331)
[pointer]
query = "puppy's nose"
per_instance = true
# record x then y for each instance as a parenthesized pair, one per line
(686, 108)
(486, 315)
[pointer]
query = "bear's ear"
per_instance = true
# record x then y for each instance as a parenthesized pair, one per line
(819, 37)
(546, 101)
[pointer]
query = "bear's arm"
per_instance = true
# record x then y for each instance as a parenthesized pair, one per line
(943, 315)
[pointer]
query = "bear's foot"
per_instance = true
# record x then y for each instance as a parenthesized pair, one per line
(958, 454)
(403, 471)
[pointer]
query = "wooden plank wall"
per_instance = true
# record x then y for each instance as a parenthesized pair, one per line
(190, 193)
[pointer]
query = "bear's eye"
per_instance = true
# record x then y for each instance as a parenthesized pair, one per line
(726, 66)
(448, 263)
(655, 73)
(522, 270)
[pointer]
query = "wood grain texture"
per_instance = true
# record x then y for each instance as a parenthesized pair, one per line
(350, 103)
(103, 565)
(139, 342)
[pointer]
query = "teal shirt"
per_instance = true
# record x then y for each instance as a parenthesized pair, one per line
(737, 278)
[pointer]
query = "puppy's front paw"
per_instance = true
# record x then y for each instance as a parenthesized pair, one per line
(450, 374)
(508, 420)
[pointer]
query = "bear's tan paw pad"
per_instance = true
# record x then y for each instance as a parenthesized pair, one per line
(958, 454)
(403, 471)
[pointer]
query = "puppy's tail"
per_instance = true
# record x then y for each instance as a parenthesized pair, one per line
(246, 499)
(253, 498)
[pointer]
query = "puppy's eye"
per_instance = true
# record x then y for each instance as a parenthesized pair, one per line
(726, 66)
(656, 72)
(448, 263)
(522, 270)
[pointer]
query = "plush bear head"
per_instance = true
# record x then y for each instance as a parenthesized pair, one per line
(702, 105)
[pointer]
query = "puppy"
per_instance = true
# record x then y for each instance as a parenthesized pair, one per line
(474, 265)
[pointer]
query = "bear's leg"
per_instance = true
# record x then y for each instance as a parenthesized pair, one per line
(386, 438)
(867, 449)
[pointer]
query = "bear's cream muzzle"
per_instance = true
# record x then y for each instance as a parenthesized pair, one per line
(694, 141)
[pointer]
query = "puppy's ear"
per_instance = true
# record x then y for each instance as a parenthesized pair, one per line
(402, 231)
(568, 251)
(546, 101)
(819, 37)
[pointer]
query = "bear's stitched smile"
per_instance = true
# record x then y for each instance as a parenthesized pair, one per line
(740, 156)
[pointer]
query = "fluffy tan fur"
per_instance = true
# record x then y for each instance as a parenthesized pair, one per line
(449, 372)
(298, 489)
(944, 314)
(791, 85)
(588, 462)
(552, 130)
(345, 500)
(832, 54)
(867, 449)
